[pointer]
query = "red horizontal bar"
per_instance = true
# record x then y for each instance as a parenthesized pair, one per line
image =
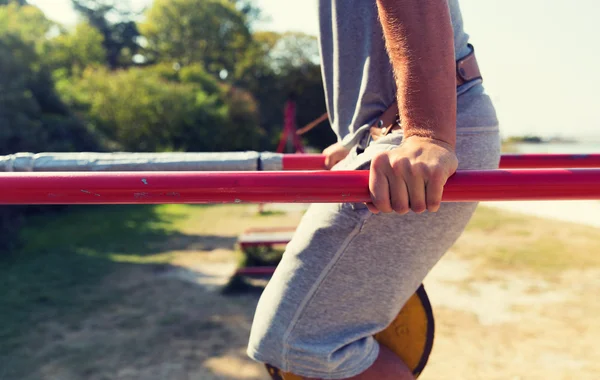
(541, 161)
(507, 161)
(282, 187)
(303, 161)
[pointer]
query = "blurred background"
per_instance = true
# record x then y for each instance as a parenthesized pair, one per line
(134, 292)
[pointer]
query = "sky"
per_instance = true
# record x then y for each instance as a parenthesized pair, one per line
(540, 59)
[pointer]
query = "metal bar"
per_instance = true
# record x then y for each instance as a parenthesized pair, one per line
(549, 161)
(128, 161)
(281, 187)
(507, 161)
(235, 161)
(303, 162)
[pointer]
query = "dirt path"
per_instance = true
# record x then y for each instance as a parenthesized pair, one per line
(171, 322)
(510, 329)
(583, 212)
(513, 328)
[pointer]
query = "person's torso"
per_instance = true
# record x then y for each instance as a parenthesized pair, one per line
(358, 78)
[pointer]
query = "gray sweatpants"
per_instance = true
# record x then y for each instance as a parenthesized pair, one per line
(347, 273)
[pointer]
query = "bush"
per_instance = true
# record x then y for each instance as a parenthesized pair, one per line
(153, 109)
(32, 115)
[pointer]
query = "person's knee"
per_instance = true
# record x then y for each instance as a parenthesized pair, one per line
(266, 342)
(312, 355)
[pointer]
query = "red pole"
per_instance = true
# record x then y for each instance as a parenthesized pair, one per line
(303, 162)
(541, 161)
(507, 161)
(289, 129)
(283, 187)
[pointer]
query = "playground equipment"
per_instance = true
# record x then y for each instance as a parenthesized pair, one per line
(281, 187)
(179, 178)
(289, 129)
(507, 161)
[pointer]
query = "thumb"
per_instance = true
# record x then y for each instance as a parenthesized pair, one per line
(329, 162)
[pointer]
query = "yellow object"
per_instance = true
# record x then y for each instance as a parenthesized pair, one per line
(410, 336)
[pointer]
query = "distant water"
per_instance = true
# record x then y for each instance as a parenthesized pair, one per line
(576, 147)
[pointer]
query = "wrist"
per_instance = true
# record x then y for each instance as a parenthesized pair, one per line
(428, 138)
(446, 137)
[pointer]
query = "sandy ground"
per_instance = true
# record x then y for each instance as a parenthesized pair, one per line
(172, 326)
(513, 328)
(582, 212)
(172, 322)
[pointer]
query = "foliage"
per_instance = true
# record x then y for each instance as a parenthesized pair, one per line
(18, 2)
(248, 8)
(120, 38)
(278, 66)
(194, 43)
(70, 53)
(210, 32)
(142, 111)
(33, 116)
(26, 22)
(524, 139)
(198, 79)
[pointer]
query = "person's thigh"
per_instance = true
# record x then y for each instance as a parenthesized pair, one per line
(346, 273)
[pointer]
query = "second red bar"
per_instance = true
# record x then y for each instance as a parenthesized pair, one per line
(507, 161)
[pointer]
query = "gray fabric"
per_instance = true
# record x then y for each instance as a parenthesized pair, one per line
(359, 82)
(347, 272)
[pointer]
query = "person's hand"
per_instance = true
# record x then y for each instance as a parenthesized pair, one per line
(411, 176)
(334, 154)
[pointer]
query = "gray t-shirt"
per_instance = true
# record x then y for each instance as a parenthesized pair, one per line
(358, 78)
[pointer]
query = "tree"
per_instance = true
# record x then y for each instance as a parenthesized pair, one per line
(27, 22)
(209, 32)
(163, 109)
(277, 65)
(70, 53)
(119, 37)
(249, 10)
(32, 115)
(18, 2)
(294, 50)
(33, 118)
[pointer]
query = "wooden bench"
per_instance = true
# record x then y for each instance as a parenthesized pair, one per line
(265, 238)
(262, 237)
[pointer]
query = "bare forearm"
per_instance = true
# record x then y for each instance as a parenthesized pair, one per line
(419, 39)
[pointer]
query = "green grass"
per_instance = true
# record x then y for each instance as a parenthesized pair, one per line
(65, 256)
